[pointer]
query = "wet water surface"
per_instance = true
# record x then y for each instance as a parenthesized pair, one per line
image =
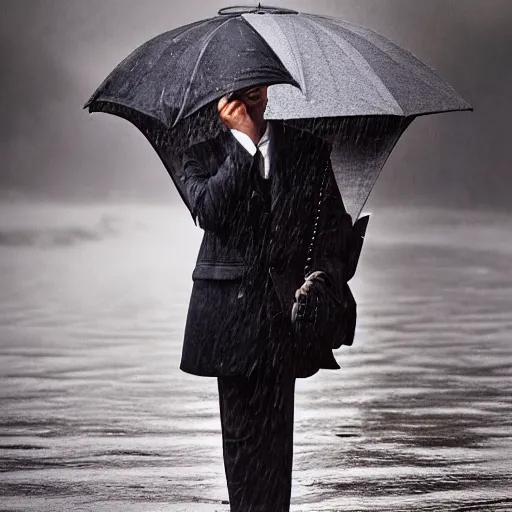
(95, 414)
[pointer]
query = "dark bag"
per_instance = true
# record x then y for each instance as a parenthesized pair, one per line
(325, 317)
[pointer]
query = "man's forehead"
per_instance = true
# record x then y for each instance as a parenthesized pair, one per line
(252, 89)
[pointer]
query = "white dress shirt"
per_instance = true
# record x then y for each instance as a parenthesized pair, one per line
(263, 146)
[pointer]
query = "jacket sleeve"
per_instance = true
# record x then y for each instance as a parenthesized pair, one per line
(214, 189)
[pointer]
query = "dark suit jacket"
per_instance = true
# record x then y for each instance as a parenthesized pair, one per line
(237, 319)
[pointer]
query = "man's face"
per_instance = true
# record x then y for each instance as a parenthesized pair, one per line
(255, 100)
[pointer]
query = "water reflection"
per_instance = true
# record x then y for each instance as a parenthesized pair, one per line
(97, 416)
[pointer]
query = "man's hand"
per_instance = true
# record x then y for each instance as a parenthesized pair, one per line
(309, 283)
(235, 116)
(308, 299)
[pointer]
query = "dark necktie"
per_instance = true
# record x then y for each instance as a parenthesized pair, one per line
(260, 185)
(259, 205)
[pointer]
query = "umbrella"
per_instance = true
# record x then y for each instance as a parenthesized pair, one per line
(341, 81)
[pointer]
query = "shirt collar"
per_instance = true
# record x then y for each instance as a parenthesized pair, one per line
(265, 139)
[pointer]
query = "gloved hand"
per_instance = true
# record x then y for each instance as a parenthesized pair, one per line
(307, 298)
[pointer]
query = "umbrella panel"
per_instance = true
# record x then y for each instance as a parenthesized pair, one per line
(360, 148)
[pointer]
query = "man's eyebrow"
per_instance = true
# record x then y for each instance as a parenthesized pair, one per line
(252, 89)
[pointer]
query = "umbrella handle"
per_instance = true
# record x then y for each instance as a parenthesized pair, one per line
(238, 10)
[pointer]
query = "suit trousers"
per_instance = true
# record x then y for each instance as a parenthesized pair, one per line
(257, 436)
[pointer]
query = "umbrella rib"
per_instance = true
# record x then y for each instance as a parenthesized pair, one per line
(374, 79)
(196, 67)
(323, 52)
(298, 61)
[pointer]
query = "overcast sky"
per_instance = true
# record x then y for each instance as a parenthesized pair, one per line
(54, 53)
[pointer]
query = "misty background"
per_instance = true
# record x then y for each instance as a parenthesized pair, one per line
(54, 53)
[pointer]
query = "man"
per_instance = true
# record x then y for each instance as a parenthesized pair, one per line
(256, 191)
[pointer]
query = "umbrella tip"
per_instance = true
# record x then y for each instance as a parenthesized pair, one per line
(240, 10)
